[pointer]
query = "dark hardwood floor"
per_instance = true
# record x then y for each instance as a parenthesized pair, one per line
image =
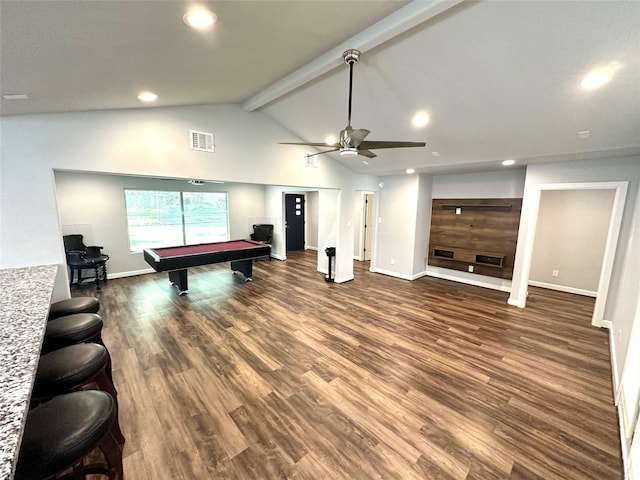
(289, 376)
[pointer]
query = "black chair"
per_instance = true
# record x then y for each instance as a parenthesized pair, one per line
(82, 257)
(263, 233)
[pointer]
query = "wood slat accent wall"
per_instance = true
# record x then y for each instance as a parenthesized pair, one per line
(477, 233)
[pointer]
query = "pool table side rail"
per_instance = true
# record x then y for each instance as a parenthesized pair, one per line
(160, 264)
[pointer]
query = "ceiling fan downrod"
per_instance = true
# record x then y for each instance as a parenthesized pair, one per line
(351, 57)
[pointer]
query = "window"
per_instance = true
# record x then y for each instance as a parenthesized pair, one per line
(164, 219)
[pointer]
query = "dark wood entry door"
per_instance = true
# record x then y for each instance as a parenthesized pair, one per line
(294, 216)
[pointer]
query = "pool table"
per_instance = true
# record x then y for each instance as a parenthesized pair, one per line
(176, 260)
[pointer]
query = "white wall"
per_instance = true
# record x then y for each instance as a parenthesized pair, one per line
(396, 226)
(311, 218)
(507, 183)
(423, 226)
(145, 142)
(570, 237)
(97, 200)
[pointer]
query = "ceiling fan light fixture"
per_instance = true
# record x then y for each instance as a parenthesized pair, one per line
(330, 140)
(348, 151)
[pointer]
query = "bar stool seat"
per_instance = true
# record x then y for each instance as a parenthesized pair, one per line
(74, 305)
(59, 434)
(72, 329)
(73, 368)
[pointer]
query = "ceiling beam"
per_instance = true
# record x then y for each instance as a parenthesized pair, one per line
(398, 22)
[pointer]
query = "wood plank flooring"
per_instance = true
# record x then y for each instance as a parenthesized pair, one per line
(292, 377)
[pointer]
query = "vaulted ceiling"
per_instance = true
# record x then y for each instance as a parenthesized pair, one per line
(499, 80)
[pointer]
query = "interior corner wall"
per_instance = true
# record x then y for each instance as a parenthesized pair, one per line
(423, 226)
(622, 298)
(328, 225)
(311, 218)
(571, 235)
(396, 227)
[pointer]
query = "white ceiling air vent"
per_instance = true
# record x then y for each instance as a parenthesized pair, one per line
(202, 141)
(310, 161)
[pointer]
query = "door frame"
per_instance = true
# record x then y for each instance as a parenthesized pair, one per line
(613, 233)
(363, 219)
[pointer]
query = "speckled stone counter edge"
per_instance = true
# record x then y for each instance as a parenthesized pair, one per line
(25, 296)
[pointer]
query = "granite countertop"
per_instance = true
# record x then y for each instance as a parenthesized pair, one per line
(24, 304)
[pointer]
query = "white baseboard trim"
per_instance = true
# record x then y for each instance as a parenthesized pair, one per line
(514, 302)
(132, 273)
(278, 257)
(344, 279)
(311, 248)
(391, 274)
(563, 288)
(500, 284)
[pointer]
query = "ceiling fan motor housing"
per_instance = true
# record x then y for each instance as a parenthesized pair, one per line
(351, 56)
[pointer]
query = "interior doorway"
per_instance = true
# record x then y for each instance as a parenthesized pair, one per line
(519, 294)
(294, 221)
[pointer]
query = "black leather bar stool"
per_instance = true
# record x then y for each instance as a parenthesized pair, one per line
(59, 434)
(72, 329)
(74, 305)
(71, 369)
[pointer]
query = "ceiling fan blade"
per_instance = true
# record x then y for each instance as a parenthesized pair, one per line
(320, 153)
(357, 136)
(312, 144)
(366, 153)
(371, 144)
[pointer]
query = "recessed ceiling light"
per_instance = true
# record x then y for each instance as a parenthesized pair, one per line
(598, 77)
(14, 96)
(147, 97)
(410, 171)
(420, 119)
(595, 79)
(364, 162)
(330, 140)
(435, 154)
(200, 19)
(506, 163)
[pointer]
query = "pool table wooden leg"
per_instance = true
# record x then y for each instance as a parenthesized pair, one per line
(178, 278)
(243, 266)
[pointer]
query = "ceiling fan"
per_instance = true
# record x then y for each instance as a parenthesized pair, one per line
(352, 142)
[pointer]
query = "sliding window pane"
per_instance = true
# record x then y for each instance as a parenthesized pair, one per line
(206, 217)
(154, 219)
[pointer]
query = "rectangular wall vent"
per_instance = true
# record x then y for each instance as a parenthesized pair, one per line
(202, 141)
(310, 161)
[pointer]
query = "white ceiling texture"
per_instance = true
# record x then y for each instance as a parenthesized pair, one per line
(499, 79)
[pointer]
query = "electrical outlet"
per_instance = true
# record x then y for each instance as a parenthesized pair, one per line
(393, 261)
(554, 273)
(470, 268)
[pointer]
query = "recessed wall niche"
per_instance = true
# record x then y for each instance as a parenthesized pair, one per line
(475, 235)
